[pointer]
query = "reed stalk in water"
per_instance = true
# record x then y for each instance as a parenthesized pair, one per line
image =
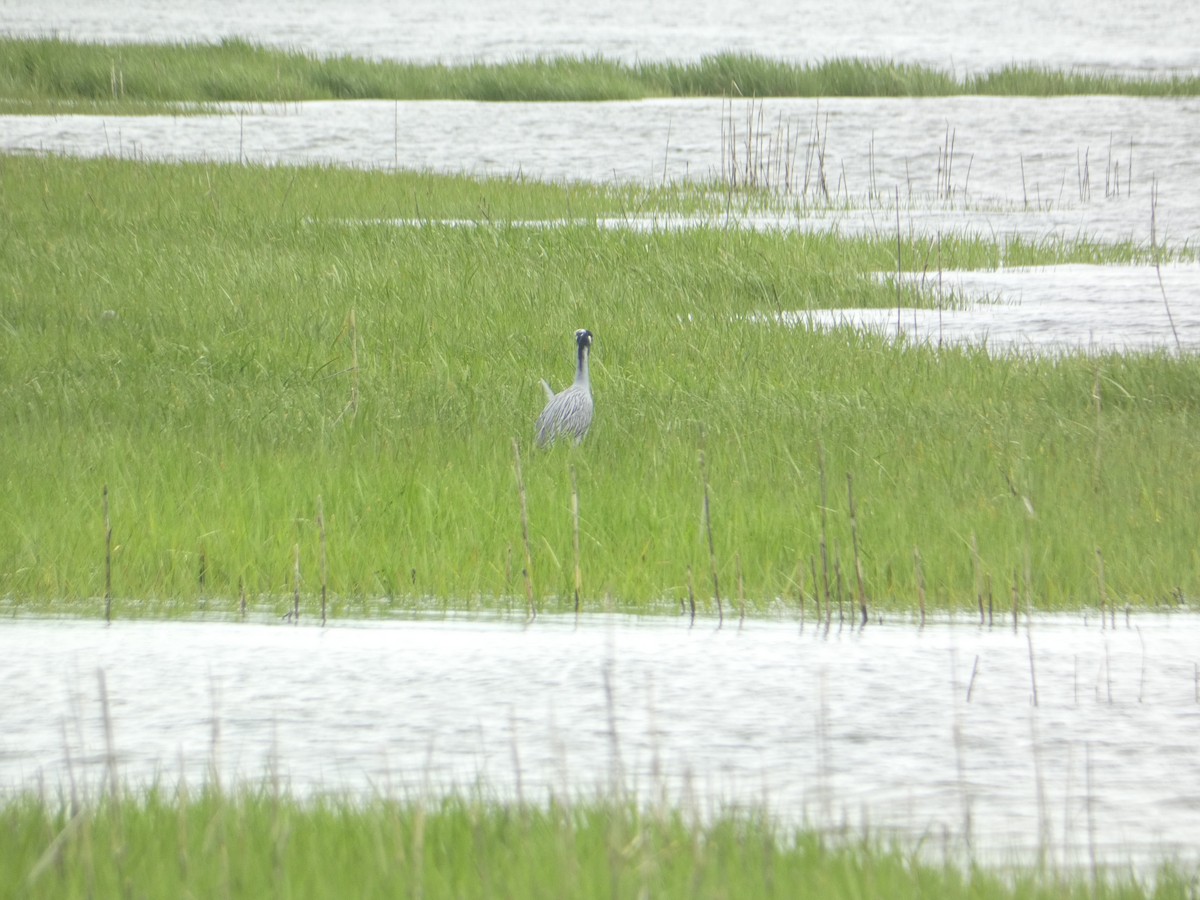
(107, 559)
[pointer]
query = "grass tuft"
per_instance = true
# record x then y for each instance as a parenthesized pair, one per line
(54, 75)
(267, 843)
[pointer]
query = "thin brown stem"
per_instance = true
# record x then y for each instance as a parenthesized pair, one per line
(528, 571)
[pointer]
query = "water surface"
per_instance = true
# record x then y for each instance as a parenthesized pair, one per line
(1059, 168)
(1041, 310)
(949, 732)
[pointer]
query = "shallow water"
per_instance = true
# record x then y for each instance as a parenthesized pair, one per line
(1058, 168)
(932, 733)
(1045, 309)
(958, 35)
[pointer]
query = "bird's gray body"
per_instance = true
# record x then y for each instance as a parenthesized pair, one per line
(569, 412)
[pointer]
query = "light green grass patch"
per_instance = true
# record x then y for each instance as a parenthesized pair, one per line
(41, 74)
(260, 843)
(228, 352)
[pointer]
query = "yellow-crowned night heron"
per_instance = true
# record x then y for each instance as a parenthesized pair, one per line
(569, 412)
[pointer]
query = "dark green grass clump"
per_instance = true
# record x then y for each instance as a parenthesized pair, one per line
(259, 370)
(38, 74)
(258, 844)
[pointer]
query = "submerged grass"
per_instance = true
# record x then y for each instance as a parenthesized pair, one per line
(228, 350)
(52, 74)
(261, 843)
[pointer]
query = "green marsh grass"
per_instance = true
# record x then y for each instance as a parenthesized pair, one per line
(193, 337)
(51, 74)
(262, 843)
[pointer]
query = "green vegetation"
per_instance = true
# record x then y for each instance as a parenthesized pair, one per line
(258, 844)
(230, 350)
(49, 74)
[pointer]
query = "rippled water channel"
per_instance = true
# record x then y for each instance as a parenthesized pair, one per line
(1059, 737)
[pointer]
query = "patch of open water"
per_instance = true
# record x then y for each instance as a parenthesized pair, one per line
(1062, 736)
(1044, 309)
(1041, 168)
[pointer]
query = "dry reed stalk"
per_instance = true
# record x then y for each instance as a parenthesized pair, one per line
(812, 564)
(977, 565)
(575, 522)
(971, 683)
(712, 553)
(858, 570)
(872, 183)
(528, 571)
(946, 165)
(837, 570)
(691, 596)
(1103, 589)
(203, 574)
(1024, 191)
(741, 589)
(1016, 598)
(824, 517)
(107, 560)
(296, 583)
(242, 597)
(899, 270)
(321, 532)
(1158, 262)
(940, 295)
(508, 570)
(920, 576)
(799, 582)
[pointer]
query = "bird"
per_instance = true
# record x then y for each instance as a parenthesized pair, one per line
(569, 412)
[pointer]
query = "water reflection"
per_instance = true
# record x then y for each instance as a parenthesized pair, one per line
(930, 732)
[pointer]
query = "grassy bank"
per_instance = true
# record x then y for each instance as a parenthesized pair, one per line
(260, 844)
(260, 376)
(47, 74)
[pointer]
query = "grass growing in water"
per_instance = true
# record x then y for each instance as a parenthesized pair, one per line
(46, 74)
(263, 844)
(223, 348)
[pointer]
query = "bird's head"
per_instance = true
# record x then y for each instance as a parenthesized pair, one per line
(583, 338)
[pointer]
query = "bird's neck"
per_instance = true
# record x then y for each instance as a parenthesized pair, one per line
(581, 373)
